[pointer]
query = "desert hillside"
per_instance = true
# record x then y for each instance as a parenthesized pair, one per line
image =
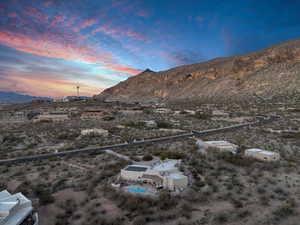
(266, 73)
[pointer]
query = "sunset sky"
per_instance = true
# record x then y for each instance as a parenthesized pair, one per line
(48, 47)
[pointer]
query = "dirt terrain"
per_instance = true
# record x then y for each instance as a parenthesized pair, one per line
(224, 189)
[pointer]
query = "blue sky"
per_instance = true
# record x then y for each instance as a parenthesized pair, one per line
(48, 47)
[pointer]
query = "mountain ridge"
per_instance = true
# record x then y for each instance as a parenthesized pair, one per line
(268, 72)
(12, 98)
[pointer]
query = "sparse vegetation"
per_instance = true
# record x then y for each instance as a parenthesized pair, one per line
(224, 188)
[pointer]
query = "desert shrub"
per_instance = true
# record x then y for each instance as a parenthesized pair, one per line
(221, 218)
(166, 201)
(243, 214)
(235, 159)
(139, 221)
(108, 118)
(186, 210)
(202, 115)
(147, 157)
(264, 200)
(163, 124)
(3, 186)
(130, 123)
(283, 212)
(67, 135)
(170, 155)
(44, 194)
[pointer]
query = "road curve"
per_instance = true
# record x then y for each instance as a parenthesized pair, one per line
(261, 120)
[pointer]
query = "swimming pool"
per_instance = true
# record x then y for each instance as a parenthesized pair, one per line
(137, 190)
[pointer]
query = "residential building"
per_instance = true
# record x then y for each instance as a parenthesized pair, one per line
(16, 209)
(95, 131)
(163, 174)
(262, 154)
(129, 112)
(92, 114)
(53, 117)
(13, 116)
(150, 123)
(40, 101)
(221, 146)
(162, 110)
(220, 113)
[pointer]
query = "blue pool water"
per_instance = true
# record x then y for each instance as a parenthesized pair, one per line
(137, 190)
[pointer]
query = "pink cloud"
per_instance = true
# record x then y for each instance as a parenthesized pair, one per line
(117, 3)
(35, 85)
(48, 45)
(48, 3)
(71, 21)
(57, 19)
(106, 29)
(37, 14)
(85, 24)
(143, 14)
(12, 15)
(123, 68)
(135, 35)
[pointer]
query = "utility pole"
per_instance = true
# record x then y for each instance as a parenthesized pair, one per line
(77, 91)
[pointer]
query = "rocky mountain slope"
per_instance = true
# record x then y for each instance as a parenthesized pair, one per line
(265, 73)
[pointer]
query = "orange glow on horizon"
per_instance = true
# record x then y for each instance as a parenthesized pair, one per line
(51, 88)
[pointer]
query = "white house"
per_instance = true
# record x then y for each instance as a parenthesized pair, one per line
(95, 131)
(16, 210)
(162, 110)
(220, 113)
(262, 154)
(162, 174)
(53, 116)
(221, 146)
(150, 123)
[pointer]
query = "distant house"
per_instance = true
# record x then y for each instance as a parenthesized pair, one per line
(92, 114)
(128, 112)
(221, 146)
(220, 113)
(16, 209)
(189, 112)
(52, 117)
(71, 99)
(40, 101)
(13, 116)
(162, 110)
(262, 154)
(150, 123)
(95, 131)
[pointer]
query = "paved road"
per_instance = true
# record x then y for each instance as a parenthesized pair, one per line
(261, 120)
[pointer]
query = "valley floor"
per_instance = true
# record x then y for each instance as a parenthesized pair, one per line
(225, 190)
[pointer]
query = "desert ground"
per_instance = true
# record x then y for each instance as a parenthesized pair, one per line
(223, 189)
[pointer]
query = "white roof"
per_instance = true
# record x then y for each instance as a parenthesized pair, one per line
(176, 176)
(218, 143)
(166, 165)
(13, 208)
(260, 151)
